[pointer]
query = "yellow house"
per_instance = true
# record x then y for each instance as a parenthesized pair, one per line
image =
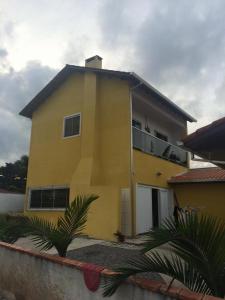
(109, 133)
(201, 190)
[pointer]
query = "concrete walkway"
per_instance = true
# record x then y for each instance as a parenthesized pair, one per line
(27, 243)
(80, 242)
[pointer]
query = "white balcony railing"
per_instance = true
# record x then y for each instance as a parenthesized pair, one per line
(150, 144)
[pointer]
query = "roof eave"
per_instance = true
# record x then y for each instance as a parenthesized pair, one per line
(176, 107)
(28, 110)
(196, 181)
(204, 131)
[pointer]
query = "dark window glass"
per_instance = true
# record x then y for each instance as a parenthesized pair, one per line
(49, 198)
(35, 201)
(72, 126)
(161, 136)
(136, 124)
(61, 198)
(155, 207)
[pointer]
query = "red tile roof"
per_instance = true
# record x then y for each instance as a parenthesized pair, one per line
(214, 174)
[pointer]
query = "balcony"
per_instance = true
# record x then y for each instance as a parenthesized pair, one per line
(150, 144)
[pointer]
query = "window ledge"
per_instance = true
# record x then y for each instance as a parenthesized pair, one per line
(46, 209)
(71, 136)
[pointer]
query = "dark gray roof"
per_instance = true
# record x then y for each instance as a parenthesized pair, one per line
(28, 110)
(93, 57)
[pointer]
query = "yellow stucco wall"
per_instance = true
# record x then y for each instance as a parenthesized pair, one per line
(104, 213)
(114, 136)
(52, 158)
(98, 160)
(208, 198)
(147, 166)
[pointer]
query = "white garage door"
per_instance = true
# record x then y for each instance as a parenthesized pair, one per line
(143, 209)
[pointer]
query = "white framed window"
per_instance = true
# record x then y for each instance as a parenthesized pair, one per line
(46, 198)
(71, 125)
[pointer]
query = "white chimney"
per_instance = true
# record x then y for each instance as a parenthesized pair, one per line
(93, 62)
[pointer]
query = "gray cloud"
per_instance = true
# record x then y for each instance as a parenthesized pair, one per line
(75, 50)
(3, 53)
(114, 23)
(177, 45)
(219, 101)
(184, 37)
(17, 89)
(20, 86)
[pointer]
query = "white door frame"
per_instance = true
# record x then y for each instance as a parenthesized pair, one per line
(169, 197)
(143, 208)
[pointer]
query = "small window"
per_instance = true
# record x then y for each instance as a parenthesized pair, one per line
(72, 125)
(136, 124)
(161, 136)
(49, 198)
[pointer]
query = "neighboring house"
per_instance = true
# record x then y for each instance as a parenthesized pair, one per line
(109, 133)
(11, 202)
(208, 142)
(201, 190)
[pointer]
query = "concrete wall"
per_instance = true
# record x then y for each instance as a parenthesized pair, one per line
(11, 202)
(36, 276)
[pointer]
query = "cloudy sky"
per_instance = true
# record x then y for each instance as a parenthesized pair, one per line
(177, 45)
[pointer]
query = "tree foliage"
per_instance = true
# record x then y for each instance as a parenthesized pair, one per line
(194, 255)
(12, 228)
(13, 175)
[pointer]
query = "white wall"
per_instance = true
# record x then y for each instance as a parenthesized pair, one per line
(126, 221)
(157, 119)
(11, 202)
(30, 275)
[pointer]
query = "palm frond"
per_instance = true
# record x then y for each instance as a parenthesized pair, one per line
(43, 232)
(194, 256)
(198, 239)
(46, 234)
(170, 265)
(75, 217)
